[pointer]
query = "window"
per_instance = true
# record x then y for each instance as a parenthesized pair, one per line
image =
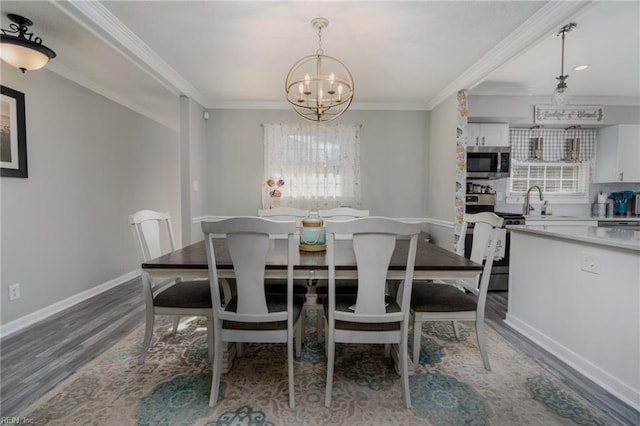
(559, 180)
(318, 164)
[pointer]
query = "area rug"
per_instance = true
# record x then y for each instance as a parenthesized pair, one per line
(449, 387)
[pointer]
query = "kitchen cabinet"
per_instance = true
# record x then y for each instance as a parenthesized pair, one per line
(488, 134)
(618, 154)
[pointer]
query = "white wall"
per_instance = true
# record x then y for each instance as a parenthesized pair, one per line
(193, 182)
(393, 150)
(91, 163)
(442, 171)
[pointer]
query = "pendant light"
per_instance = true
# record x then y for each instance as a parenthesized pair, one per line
(23, 50)
(560, 96)
(319, 87)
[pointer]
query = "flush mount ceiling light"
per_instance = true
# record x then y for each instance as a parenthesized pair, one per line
(20, 48)
(560, 96)
(319, 87)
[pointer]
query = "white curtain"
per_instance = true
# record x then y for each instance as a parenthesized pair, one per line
(311, 166)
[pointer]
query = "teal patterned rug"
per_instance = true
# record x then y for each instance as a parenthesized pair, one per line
(449, 387)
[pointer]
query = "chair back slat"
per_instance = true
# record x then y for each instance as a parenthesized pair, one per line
(249, 253)
(373, 255)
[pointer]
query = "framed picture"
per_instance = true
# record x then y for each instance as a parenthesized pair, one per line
(13, 135)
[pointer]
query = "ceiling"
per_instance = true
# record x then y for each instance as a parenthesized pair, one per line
(404, 55)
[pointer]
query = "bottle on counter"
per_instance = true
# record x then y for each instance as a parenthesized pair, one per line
(546, 209)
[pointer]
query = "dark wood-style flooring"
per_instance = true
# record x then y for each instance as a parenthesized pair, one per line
(35, 360)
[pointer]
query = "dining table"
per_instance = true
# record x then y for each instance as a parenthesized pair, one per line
(432, 263)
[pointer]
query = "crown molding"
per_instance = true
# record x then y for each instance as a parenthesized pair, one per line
(544, 22)
(97, 19)
(355, 106)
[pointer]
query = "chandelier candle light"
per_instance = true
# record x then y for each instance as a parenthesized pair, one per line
(23, 50)
(319, 87)
(560, 96)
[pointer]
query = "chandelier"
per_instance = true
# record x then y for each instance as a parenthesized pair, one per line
(319, 87)
(23, 50)
(560, 96)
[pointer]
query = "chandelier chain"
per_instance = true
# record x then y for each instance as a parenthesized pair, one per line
(320, 51)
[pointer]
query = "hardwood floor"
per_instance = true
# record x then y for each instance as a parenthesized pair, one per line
(619, 411)
(35, 360)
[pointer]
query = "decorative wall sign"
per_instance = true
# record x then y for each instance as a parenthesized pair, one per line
(13, 134)
(568, 114)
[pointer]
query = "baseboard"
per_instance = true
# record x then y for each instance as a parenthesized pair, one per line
(27, 320)
(438, 222)
(610, 383)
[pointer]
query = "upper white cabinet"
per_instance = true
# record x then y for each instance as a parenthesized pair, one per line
(488, 134)
(618, 154)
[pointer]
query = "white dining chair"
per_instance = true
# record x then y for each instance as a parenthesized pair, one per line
(339, 213)
(462, 300)
(276, 286)
(370, 316)
(284, 213)
(173, 296)
(252, 315)
(342, 286)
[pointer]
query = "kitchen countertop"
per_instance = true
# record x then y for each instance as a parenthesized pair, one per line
(632, 218)
(613, 237)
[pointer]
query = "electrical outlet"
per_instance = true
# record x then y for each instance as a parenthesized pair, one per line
(590, 263)
(14, 291)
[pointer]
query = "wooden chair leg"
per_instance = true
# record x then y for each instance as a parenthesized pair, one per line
(417, 336)
(217, 369)
(148, 333)
(404, 368)
(176, 322)
(210, 338)
(292, 399)
(456, 329)
(331, 353)
(481, 345)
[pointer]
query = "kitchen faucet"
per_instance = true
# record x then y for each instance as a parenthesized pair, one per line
(526, 208)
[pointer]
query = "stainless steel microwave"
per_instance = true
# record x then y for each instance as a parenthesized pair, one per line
(488, 162)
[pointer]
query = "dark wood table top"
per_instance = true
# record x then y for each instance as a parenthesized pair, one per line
(429, 257)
